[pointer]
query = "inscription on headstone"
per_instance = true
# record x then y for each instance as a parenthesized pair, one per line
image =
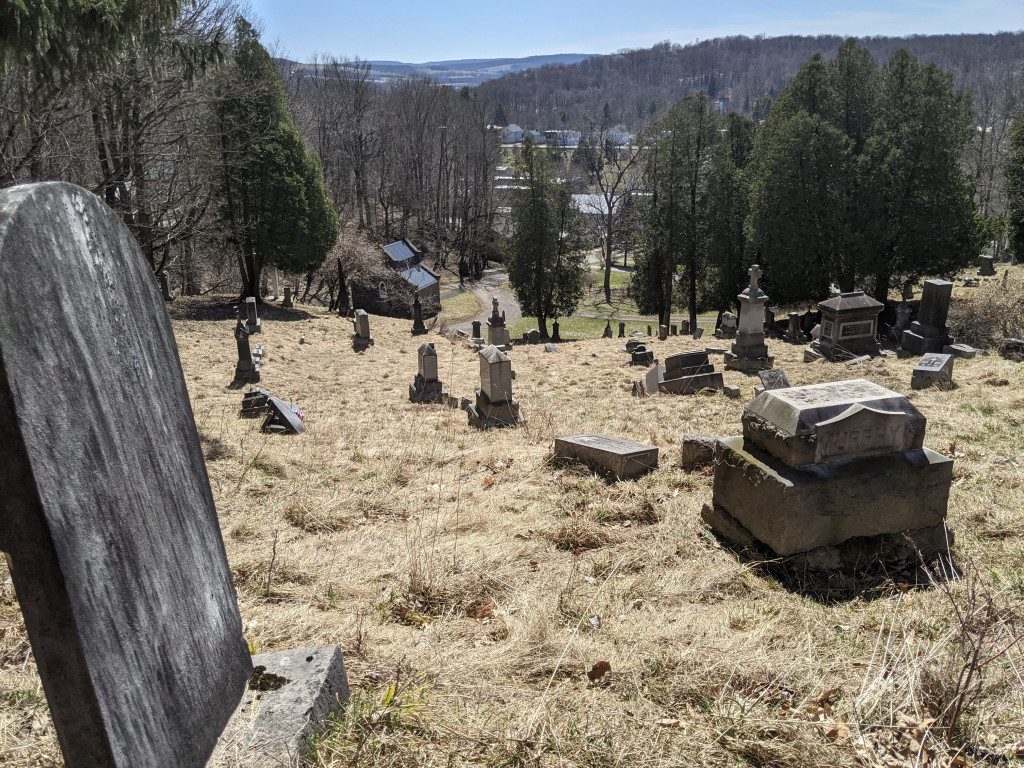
(859, 431)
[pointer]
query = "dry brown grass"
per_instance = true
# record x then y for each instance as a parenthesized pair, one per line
(461, 571)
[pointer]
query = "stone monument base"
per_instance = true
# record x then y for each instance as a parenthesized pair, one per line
(688, 385)
(736, 362)
(622, 459)
(285, 703)
(423, 391)
(359, 343)
(849, 555)
(484, 414)
(795, 510)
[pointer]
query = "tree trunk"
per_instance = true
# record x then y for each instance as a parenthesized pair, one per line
(542, 326)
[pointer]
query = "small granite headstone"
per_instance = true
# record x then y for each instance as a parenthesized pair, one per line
(254, 403)
(287, 301)
(533, 336)
(361, 338)
(418, 328)
(252, 321)
(986, 266)
(641, 355)
(697, 334)
(622, 330)
(963, 351)
(608, 330)
(773, 379)
(555, 337)
(727, 328)
(933, 368)
(622, 459)
(247, 369)
(476, 332)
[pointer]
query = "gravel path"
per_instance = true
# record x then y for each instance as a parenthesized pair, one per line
(493, 283)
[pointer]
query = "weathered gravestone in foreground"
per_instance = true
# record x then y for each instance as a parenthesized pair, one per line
(622, 459)
(773, 378)
(116, 557)
(821, 465)
(932, 369)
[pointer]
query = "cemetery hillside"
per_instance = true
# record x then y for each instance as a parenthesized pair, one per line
(659, 409)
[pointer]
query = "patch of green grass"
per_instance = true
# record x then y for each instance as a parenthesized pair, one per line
(573, 328)
(460, 307)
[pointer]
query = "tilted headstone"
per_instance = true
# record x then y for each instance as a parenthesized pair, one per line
(933, 368)
(697, 334)
(361, 338)
(117, 558)
(822, 464)
(773, 379)
(619, 458)
(247, 369)
(654, 378)
(252, 321)
(282, 419)
(689, 372)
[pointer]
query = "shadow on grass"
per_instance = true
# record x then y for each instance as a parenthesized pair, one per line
(867, 579)
(206, 308)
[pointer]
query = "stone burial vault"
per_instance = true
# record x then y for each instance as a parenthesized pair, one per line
(820, 465)
(108, 519)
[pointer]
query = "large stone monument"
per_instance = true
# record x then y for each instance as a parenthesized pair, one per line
(849, 326)
(497, 333)
(495, 406)
(929, 332)
(117, 557)
(427, 387)
(822, 464)
(749, 352)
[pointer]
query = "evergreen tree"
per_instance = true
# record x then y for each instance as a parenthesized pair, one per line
(275, 203)
(680, 152)
(856, 176)
(1015, 189)
(544, 242)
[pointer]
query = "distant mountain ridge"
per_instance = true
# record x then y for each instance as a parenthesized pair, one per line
(457, 72)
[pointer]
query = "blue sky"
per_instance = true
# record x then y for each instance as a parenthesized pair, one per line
(417, 31)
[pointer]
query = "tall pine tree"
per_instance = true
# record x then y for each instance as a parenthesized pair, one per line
(275, 204)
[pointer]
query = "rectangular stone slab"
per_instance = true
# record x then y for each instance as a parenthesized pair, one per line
(688, 385)
(785, 421)
(621, 458)
(107, 515)
(798, 509)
